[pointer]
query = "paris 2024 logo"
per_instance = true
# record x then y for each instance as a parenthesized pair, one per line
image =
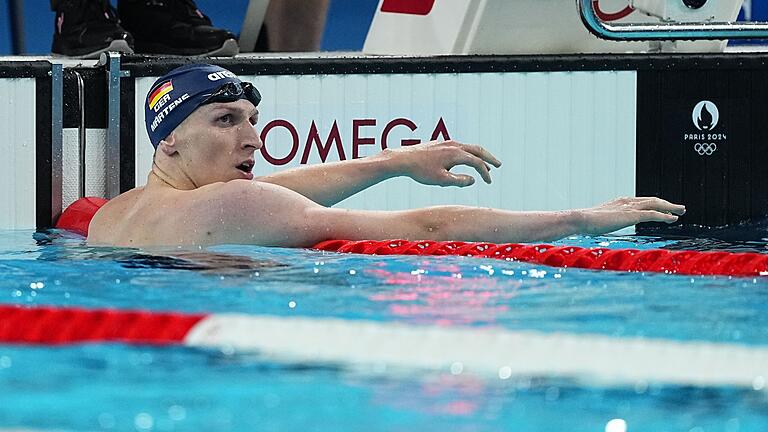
(705, 117)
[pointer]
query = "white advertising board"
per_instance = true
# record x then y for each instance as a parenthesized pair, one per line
(17, 147)
(566, 139)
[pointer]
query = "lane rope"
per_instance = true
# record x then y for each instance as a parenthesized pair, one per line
(626, 260)
(489, 352)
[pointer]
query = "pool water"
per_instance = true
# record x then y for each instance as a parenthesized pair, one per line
(120, 387)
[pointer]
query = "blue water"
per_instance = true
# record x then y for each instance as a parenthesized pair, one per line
(118, 387)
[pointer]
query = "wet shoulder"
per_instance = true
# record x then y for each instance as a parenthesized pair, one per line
(110, 217)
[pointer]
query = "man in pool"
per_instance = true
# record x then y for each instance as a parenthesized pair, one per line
(201, 190)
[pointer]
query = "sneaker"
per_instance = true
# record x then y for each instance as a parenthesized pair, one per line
(174, 27)
(87, 28)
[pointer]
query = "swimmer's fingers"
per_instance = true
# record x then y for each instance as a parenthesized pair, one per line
(656, 216)
(661, 205)
(478, 164)
(621, 213)
(482, 153)
(460, 180)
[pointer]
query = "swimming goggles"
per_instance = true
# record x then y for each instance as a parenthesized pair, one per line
(232, 92)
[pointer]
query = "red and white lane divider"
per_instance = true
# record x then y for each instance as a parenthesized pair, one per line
(490, 352)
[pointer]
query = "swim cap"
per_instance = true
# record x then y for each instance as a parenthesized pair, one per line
(175, 95)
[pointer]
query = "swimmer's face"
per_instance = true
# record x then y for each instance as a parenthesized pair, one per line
(216, 143)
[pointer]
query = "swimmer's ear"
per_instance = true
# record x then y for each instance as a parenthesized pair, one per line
(168, 145)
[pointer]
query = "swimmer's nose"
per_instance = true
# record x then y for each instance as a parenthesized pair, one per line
(259, 142)
(252, 139)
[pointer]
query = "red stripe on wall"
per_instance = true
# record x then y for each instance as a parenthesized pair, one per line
(411, 7)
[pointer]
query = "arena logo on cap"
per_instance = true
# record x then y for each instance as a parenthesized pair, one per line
(158, 94)
(215, 76)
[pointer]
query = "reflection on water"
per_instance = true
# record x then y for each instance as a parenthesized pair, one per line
(442, 295)
(204, 262)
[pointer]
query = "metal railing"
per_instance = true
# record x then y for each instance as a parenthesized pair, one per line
(668, 30)
(81, 131)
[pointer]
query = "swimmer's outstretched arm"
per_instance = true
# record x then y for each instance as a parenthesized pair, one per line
(428, 163)
(270, 215)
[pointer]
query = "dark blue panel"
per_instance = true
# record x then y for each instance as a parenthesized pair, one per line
(38, 23)
(5, 32)
(347, 24)
(759, 11)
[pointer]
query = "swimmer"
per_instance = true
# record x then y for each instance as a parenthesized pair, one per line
(202, 120)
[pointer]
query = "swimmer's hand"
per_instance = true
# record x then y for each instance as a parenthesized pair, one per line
(623, 212)
(430, 163)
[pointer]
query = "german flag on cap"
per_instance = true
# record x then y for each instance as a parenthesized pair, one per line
(161, 91)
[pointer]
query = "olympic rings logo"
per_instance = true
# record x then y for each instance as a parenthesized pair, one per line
(705, 149)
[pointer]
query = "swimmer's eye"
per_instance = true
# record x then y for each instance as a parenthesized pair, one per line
(253, 120)
(226, 118)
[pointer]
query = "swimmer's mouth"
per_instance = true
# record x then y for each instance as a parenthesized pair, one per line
(246, 166)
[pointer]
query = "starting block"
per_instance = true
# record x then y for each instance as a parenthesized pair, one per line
(448, 27)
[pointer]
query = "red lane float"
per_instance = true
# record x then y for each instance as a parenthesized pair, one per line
(78, 216)
(57, 326)
(632, 260)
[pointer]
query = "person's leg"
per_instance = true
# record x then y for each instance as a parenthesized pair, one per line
(174, 27)
(295, 25)
(87, 28)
